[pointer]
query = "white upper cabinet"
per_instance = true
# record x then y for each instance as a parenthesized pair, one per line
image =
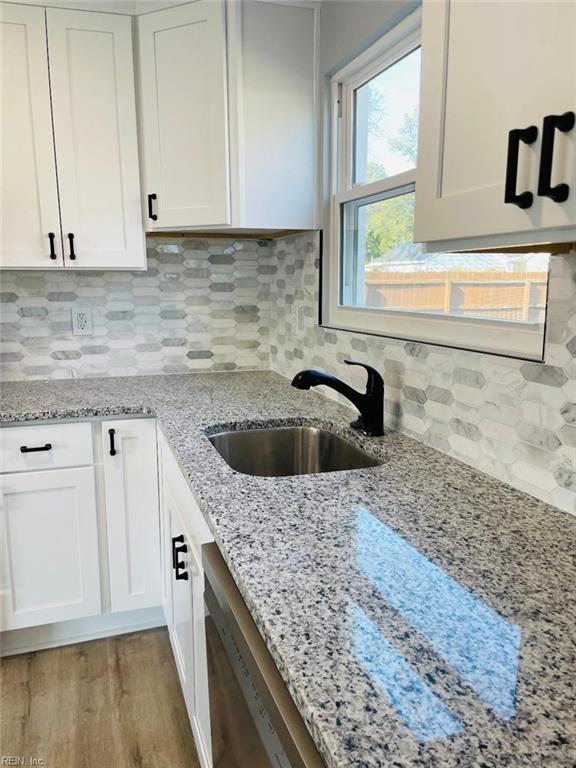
(29, 217)
(490, 69)
(273, 114)
(93, 99)
(184, 115)
(70, 187)
(228, 115)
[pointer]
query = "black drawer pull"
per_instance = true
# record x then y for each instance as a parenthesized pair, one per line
(72, 255)
(528, 136)
(553, 123)
(52, 237)
(151, 214)
(113, 450)
(177, 564)
(25, 449)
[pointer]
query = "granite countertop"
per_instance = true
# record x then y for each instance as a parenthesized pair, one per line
(421, 613)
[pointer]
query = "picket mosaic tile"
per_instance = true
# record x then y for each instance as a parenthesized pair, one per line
(169, 319)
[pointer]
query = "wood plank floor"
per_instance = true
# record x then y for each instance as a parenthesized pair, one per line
(111, 703)
(117, 703)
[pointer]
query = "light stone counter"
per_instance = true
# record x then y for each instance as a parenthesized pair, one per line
(421, 614)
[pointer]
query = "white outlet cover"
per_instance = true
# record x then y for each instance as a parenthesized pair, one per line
(81, 322)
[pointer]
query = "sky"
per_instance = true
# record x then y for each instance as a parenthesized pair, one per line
(400, 89)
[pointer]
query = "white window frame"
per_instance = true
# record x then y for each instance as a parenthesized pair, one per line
(504, 337)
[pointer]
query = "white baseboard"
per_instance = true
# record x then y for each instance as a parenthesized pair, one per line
(79, 630)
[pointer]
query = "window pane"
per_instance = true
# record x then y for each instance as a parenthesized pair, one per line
(382, 268)
(386, 121)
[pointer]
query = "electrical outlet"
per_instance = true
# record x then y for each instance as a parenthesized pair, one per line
(81, 322)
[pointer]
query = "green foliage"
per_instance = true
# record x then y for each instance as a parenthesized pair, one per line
(375, 171)
(389, 224)
(406, 142)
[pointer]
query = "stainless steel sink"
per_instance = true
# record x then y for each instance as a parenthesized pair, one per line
(283, 451)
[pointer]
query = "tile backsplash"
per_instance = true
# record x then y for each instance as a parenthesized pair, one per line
(226, 304)
(201, 305)
(514, 420)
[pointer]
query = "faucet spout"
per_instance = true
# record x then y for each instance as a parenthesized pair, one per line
(369, 403)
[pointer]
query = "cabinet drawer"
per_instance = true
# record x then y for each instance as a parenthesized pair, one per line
(70, 446)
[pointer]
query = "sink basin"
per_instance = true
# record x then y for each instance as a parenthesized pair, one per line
(283, 451)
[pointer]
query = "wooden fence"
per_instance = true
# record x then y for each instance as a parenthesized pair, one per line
(505, 295)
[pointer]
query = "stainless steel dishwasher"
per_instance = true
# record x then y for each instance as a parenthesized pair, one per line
(254, 722)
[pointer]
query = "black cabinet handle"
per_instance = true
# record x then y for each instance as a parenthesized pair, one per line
(51, 238)
(111, 433)
(25, 449)
(177, 564)
(151, 214)
(553, 123)
(72, 255)
(528, 136)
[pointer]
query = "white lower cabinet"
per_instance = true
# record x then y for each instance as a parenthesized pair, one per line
(80, 522)
(181, 624)
(90, 526)
(183, 533)
(49, 537)
(132, 520)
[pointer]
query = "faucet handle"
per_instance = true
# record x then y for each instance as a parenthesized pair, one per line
(375, 381)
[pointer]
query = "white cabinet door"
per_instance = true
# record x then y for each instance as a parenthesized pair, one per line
(182, 54)
(184, 597)
(49, 541)
(489, 68)
(28, 191)
(182, 626)
(187, 630)
(201, 720)
(132, 519)
(93, 100)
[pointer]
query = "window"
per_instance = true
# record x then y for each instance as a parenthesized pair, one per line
(377, 280)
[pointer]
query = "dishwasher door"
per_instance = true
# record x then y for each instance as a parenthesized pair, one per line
(254, 722)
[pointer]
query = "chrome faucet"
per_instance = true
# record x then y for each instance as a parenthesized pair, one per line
(370, 404)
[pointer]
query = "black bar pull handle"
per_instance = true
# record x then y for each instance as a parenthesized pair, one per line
(178, 564)
(552, 123)
(151, 214)
(113, 451)
(515, 136)
(51, 238)
(72, 255)
(25, 449)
